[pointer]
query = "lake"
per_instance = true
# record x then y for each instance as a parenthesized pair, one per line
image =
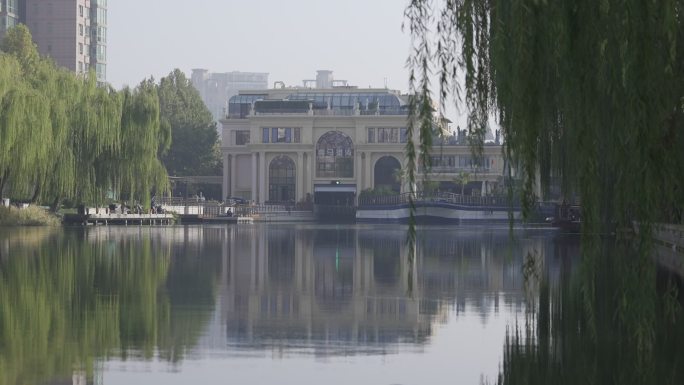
(331, 304)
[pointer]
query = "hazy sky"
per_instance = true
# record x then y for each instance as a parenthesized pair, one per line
(360, 40)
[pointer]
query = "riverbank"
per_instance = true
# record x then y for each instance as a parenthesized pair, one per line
(29, 216)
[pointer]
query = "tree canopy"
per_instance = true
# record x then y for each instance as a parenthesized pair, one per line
(588, 92)
(64, 137)
(194, 149)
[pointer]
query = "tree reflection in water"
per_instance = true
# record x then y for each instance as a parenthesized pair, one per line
(616, 321)
(72, 299)
(68, 300)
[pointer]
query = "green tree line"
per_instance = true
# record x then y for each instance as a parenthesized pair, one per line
(63, 137)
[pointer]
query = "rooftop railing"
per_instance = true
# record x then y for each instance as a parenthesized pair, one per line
(325, 112)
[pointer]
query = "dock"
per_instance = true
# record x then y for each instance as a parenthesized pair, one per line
(119, 219)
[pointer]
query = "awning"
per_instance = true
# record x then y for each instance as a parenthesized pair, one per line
(348, 188)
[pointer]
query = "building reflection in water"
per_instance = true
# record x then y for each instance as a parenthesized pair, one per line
(172, 293)
(347, 288)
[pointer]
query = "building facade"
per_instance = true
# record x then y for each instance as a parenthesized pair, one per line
(72, 32)
(216, 89)
(10, 15)
(98, 39)
(296, 144)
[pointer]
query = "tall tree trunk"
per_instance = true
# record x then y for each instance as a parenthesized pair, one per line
(3, 180)
(36, 193)
(54, 207)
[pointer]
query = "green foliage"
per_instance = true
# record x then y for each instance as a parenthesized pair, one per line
(31, 216)
(63, 137)
(463, 178)
(195, 148)
(586, 91)
(381, 191)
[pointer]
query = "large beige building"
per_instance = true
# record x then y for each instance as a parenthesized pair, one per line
(329, 143)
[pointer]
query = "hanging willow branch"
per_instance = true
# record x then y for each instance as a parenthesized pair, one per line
(588, 93)
(64, 137)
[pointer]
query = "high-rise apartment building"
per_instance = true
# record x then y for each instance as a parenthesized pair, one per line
(217, 88)
(72, 32)
(10, 15)
(98, 38)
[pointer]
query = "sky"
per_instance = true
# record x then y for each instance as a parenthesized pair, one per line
(361, 41)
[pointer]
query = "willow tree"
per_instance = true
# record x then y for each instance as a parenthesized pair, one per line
(64, 137)
(140, 170)
(589, 92)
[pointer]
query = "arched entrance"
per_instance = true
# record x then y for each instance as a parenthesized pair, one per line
(333, 199)
(281, 180)
(386, 174)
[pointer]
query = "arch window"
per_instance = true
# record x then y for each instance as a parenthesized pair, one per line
(387, 173)
(281, 180)
(334, 156)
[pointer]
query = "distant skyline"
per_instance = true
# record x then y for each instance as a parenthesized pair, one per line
(361, 41)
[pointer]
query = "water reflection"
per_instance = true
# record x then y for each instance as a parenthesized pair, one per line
(73, 300)
(346, 289)
(617, 321)
(68, 298)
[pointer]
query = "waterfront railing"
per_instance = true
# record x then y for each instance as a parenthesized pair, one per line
(435, 197)
(209, 208)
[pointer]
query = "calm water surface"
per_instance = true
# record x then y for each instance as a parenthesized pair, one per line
(309, 304)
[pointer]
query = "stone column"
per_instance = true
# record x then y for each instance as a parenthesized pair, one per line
(226, 176)
(358, 172)
(312, 171)
(255, 198)
(263, 178)
(307, 174)
(368, 167)
(364, 172)
(233, 175)
(299, 190)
